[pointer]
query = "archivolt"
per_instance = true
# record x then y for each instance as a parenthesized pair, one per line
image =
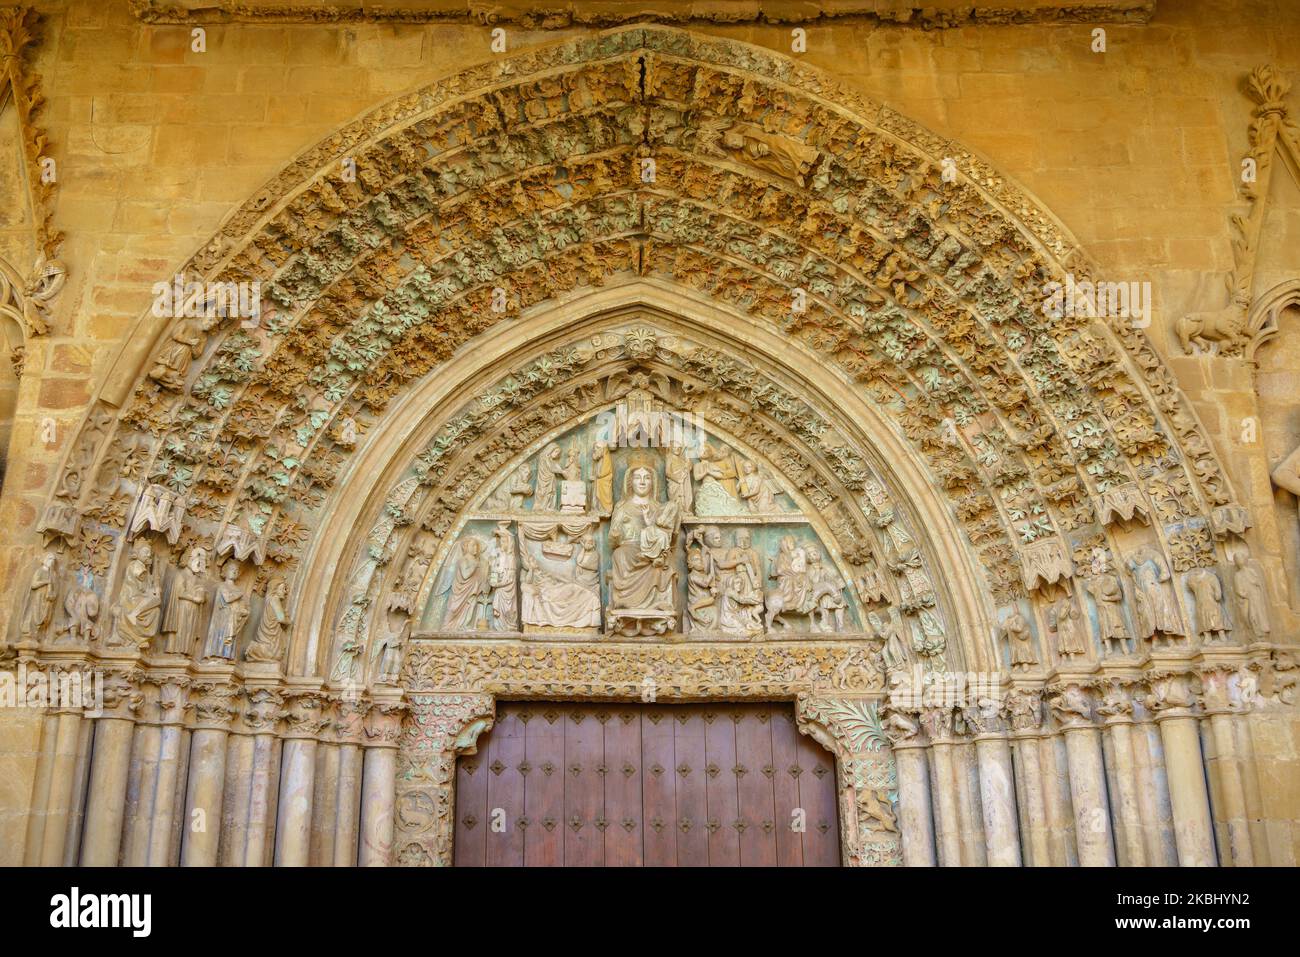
(648, 153)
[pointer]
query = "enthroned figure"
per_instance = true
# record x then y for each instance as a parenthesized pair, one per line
(642, 530)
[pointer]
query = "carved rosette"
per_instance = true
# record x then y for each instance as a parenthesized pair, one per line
(437, 729)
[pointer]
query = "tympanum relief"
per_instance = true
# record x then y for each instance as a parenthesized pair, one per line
(640, 523)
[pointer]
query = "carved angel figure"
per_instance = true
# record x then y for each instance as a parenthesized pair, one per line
(467, 583)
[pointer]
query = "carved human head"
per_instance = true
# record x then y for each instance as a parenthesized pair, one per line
(640, 481)
(143, 552)
(743, 538)
(198, 559)
(231, 571)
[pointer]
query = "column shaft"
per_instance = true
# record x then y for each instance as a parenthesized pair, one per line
(62, 784)
(293, 820)
(1193, 826)
(1092, 827)
(998, 802)
(349, 806)
(106, 805)
(207, 775)
(915, 819)
(1124, 790)
(378, 800)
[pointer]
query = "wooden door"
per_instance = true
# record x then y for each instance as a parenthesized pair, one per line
(619, 785)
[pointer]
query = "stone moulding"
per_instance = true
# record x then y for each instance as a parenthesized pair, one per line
(559, 14)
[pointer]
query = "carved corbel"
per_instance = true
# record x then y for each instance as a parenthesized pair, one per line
(1123, 503)
(1045, 563)
(242, 544)
(159, 509)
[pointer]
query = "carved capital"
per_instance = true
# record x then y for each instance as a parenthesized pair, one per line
(1173, 695)
(1025, 709)
(1072, 705)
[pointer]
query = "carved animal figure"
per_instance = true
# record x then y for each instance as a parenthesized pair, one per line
(1213, 331)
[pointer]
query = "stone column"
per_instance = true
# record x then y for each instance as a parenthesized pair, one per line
(173, 704)
(350, 732)
(325, 796)
(1025, 708)
(80, 785)
(41, 785)
(915, 822)
(63, 775)
(214, 709)
(383, 728)
(938, 724)
(261, 717)
(1172, 701)
(1072, 708)
(968, 803)
(304, 720)
(110, 762)
(996, 782)
(1153, 789)
(142, 778)
(1053, 762)
(1116, 711)
(1219, 701)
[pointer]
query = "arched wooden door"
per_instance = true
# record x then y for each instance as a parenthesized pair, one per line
(618, 784)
